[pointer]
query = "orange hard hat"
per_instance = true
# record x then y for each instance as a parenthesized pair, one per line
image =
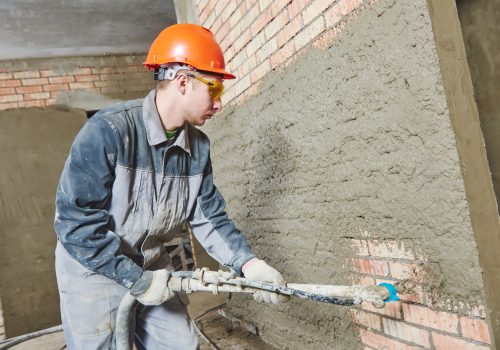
(188, 44)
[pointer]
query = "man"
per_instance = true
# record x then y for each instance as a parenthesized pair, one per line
(136, 173)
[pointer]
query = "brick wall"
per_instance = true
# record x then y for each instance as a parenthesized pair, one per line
(258, 36)
(419, 319)
(41, 83)
(266, 44)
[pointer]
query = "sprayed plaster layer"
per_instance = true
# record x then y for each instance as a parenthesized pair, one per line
(35, 143)
(354, 138)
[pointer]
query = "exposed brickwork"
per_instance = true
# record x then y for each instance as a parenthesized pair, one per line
(474, 328)
(254, 32)
(414, 320)
(41, 86)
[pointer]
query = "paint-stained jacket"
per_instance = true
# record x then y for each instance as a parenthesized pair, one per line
(125, 190)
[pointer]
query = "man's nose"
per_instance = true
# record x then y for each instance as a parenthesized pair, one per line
(217, 105)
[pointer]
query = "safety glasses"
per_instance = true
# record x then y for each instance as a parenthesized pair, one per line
(215, 88)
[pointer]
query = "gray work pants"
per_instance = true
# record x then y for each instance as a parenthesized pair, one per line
(89, 303)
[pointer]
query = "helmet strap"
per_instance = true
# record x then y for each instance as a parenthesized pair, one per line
(169, 71)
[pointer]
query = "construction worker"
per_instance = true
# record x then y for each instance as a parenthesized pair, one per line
(136, 173)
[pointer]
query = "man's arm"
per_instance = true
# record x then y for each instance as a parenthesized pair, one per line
(213, 228)
(82, 195)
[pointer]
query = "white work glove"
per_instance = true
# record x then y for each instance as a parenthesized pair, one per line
(258, 270)
(158, 292)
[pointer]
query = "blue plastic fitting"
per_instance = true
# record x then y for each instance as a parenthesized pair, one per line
(393, 293)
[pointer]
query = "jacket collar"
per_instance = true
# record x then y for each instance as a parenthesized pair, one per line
(154, 129)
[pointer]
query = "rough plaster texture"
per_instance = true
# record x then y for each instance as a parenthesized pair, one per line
(480, 22)
(48, 28)
(471, 147)
(34, 143)
(354, 138)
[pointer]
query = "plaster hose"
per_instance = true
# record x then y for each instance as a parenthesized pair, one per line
(220, 281)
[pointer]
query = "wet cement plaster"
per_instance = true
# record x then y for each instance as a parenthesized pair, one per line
(354, 138)
(35, 143)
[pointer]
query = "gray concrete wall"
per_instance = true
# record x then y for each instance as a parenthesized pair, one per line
(354, 138)
(480, 20)
(35, 143)
(48, 28)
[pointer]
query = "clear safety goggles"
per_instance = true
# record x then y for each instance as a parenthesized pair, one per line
(215, 88)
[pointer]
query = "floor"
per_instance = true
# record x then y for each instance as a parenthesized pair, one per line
(218, 329)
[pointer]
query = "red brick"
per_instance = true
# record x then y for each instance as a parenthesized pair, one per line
(423, 316)
(257, 73)
(223, 31)
(228, 10)
(266, 50)
(86, 77)
(363, 280)
(243, 39)
(315, 8)
(37, 96)
(105, 83)
(475, 328)
(406, 332)
(33, 103)
(276, 24)
(216, 26)
(81, 71)
(260, 22)
(26, 74)
(381, 342)
(45, 73)
(4, 76)
(283, 54)
(371, 267)
(390, 249)
(288, 31)
(81, 86)
(10, 83)
(8, 105)
(444, 342)
(56, 87)
(306, 35)
(7, 91)
(62, 79)
(277, 6)
(296, 7)
(392, 309)
(29, 89)
(11, 98)
(340, 10)
(50, 101)
(34, 81)
(366, 319)
(407, 271)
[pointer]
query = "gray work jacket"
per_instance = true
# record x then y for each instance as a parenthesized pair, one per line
(125, 190)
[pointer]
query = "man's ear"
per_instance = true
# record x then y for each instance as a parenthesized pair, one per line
(181, 82)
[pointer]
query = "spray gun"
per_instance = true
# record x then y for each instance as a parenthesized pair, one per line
(204, 280)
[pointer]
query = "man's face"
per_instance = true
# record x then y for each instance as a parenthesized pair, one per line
(202, 106)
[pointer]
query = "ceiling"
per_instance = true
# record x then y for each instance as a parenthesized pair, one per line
(48, 28)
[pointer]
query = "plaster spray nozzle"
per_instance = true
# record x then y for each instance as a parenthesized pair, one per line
(393, 293)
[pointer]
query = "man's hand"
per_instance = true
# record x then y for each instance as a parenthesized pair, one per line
(258, 270)
(158, 292)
